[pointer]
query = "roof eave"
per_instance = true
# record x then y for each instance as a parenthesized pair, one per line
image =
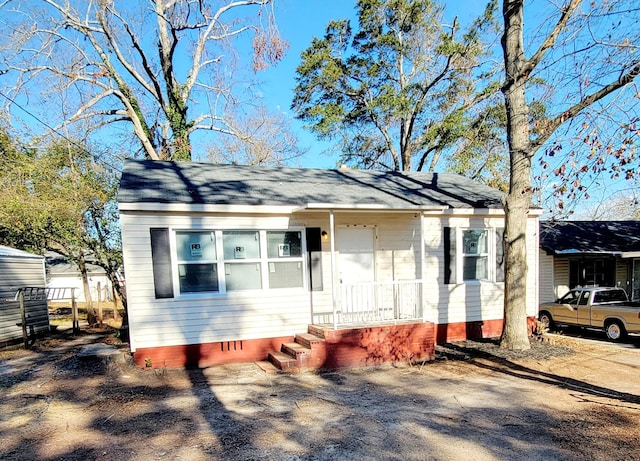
(205, 208)
(368, 207)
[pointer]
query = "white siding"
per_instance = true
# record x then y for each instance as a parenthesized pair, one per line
(622, 275)
(471, 301)
(547, 287)
(561, 276)
(200, 318)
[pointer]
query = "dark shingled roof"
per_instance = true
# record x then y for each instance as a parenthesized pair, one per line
(203, 183)
(576, 237)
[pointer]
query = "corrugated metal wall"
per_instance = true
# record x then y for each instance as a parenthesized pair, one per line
(15, 273)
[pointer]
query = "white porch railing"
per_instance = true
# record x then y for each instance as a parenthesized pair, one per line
(376, 302)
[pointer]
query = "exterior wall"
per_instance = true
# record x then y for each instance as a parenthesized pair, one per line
(554, 275)
(207, 354)
(246, 318)
(20, 272)
(202, 318)
(75, 281)
(624, 268)
(396, 250)
(472, 302)
(561, 275)
(16, 273)
(547, 270)
(376, 345)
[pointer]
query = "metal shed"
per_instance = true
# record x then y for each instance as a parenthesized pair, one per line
(19, 269)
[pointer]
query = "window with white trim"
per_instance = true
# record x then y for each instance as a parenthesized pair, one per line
(473, 254)
(238, 260)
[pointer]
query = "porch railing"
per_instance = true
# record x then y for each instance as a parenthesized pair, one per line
(377, 302)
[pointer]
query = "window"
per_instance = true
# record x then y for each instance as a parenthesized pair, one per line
(197, 261)
(473, 254)
(584, 299)
(237, 260)
(284, 252)
(242, 265)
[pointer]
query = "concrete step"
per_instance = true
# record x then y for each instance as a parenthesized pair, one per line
(282, 361)
(309, 340)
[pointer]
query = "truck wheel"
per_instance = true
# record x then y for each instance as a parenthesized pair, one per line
(615, 331)
(545, 321)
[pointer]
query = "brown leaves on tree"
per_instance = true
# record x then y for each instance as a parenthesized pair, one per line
(268, 49)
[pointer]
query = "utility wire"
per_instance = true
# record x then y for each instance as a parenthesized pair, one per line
(96, 158)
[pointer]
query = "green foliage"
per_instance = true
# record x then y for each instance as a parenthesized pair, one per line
(58, 199)
(403, 85)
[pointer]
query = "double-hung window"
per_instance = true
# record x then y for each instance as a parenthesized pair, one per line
(197, 261)
(238, 260)
(242, 264)
(473, 254)
(284, 259)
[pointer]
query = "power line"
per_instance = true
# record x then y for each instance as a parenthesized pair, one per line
(62, 135)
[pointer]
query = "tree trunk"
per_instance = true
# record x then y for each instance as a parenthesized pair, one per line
(91, 314)
(515, 333)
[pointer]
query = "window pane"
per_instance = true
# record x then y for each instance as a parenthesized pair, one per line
(285, 275)
(284, 244)
(196, 246)
(475, 268)
(474, 242)
(239, 276)
(198, 277)
(241, 244)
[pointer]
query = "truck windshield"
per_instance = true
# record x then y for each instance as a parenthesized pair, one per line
(610, 296)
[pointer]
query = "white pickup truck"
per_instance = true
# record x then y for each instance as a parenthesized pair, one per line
(596, 307)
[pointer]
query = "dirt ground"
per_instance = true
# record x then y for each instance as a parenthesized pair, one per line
(566, 399)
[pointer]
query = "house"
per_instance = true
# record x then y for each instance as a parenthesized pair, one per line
(20, 269)
(580, 253)
(63, 275)
(226, 263)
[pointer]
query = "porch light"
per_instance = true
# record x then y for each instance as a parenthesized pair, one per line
(325, 235)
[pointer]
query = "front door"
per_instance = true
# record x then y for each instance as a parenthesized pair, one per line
(356, 271)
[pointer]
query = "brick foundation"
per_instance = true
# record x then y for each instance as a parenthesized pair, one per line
(207, 354)
(377, 345)
(451, 332)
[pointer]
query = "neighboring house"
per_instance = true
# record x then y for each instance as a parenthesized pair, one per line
(582, 253)
(62, 273)
(226, 262)
(19, 269)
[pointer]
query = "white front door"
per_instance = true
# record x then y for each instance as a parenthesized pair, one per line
(355, 254)
(356, 271)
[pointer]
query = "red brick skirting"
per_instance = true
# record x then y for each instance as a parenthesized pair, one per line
(354, 347)
(359, 347)
(207, 354)
(451, 332)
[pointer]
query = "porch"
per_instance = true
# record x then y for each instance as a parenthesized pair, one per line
(323, 347)
(374, 303)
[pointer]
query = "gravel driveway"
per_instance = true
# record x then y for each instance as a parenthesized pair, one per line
(566, 399)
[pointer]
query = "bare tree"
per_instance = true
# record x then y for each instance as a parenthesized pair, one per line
(163, 67)
(263, 139)
(588, 53)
